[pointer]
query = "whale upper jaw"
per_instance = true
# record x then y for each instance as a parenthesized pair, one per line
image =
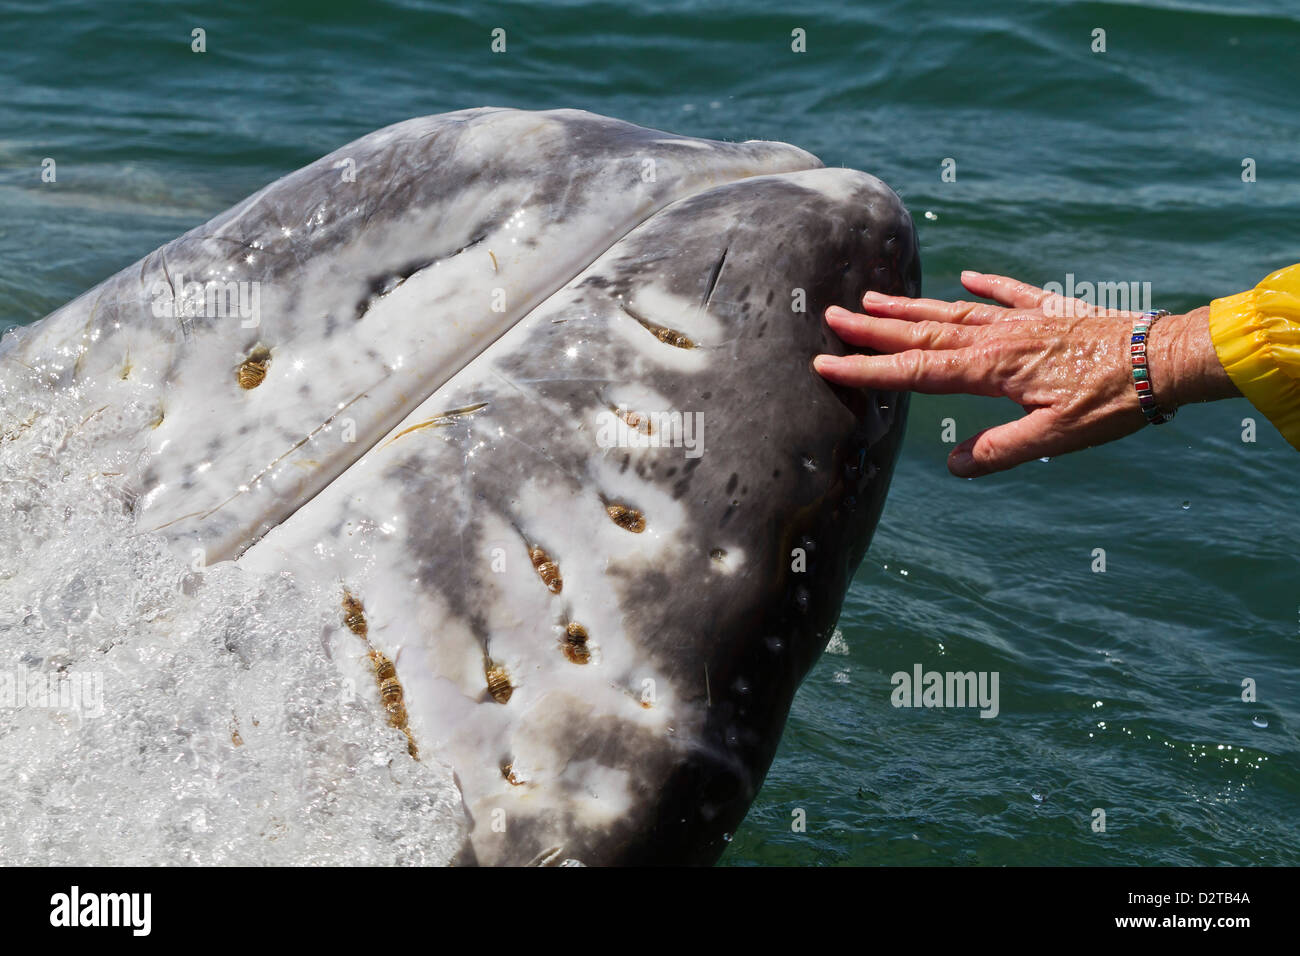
(528, 398)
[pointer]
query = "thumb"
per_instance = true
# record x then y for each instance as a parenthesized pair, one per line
(1003, 446)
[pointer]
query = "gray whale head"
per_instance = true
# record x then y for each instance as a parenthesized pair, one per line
(529, 397)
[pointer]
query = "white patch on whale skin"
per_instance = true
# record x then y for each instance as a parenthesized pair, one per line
(660, 432)
(671, 312)
(601, 794)
(728, 559)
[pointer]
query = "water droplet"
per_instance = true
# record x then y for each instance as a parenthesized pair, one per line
(1186, 505)
(1259, 720)
(931, 215)
(1038, 797)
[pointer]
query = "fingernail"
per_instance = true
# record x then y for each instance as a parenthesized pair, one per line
(835, 310)
(967, 273)
(825, 362)
(962, 463)
(875, 297)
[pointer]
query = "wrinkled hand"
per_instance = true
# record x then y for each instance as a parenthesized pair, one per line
(1067, 364)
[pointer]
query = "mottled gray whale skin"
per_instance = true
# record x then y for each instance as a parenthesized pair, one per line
(601, 633)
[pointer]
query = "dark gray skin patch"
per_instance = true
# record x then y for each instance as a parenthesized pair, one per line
(757, 631)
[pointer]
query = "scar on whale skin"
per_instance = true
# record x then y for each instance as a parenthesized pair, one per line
(391, 693)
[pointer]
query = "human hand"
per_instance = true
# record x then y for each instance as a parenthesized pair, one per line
(1067, 364)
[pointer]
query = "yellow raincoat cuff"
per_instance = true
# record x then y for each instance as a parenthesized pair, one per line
(1257, 336)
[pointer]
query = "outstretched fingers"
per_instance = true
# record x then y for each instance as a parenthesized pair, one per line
(896, 335)
(935, 372)
(1010, 292)
(930, 310)
(1021, 297)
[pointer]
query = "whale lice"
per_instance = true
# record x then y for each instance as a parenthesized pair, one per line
(629, 519)
(253, 369)
(661, 332)
(575, 644)
(393, 698)
(546, 569)
(390, 688)
(498, 683)
(354, 615)
(634, 420)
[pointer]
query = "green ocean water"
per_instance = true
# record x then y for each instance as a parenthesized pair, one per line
(1119, 690)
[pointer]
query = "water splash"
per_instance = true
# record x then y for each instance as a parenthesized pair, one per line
(155, 713)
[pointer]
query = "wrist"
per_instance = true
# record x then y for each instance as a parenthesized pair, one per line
(1165, 360)
(1184, 365)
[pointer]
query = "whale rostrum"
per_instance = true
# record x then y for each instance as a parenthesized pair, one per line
(528, 399)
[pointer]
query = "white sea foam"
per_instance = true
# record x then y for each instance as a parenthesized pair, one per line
(175, 715)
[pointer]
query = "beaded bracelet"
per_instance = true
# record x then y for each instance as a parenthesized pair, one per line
(1142, 374)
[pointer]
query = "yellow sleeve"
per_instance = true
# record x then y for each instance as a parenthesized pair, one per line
(1257, 336)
